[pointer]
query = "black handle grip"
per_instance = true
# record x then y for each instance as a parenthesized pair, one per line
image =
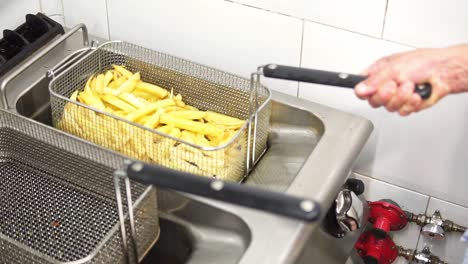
(345, 80)
(355, 185)
(273, 202)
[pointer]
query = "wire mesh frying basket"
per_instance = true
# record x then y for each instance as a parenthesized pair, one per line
(202, 87)
(58, 201)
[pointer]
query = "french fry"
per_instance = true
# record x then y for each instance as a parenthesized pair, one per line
(124, 72)
(202, 141)
(129, 85)
(152, 89)
(117, 102)
(205, 129)
(188, 107)
(175, 132)
(108, 77)
(186, 114)
(153, 121)
(144, 95)
(220, 119)
(112, 85)
(122, 93)
(226, 138)
(92, 100)
(121, 113)
(116, 75)
(119, 81)
(74, 95)
(143, 120)
(173, 108)
(178, 100)
(165, 129)
(92, 85)
(88, 82)
(131, 99)
(187, 136)
(99, 84)
(148, 109)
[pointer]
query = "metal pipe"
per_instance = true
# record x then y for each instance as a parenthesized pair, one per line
(425, 256)
(423, 220)
(37, 57)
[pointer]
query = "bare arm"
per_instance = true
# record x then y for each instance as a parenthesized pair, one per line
(391, 79)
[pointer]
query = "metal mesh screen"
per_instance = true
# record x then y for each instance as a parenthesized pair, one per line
(58, 200)
(202, 87)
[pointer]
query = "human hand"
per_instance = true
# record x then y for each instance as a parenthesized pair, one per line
(391, 80)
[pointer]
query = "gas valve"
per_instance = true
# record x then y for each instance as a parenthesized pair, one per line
(434, 226)
(374, 250)
(349, 211)
(425, 256)
(385, 216)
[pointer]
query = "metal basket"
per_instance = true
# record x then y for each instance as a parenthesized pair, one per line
(58, 201)
(202, 87)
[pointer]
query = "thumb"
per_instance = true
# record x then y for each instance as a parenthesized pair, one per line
(363, 90)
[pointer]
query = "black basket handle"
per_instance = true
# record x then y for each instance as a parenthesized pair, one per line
(345, 80)
(234, 193)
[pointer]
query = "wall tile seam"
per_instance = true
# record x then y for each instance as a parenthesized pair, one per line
(387, 2)
(107, 20)
(323, 24)
(426, 213)
(277, 13)
(63, 13)
(301, 52)
(417, 192)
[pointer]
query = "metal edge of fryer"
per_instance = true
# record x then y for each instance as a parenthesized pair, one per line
(277, 239)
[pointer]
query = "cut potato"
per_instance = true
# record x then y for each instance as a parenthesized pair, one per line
(124, 94)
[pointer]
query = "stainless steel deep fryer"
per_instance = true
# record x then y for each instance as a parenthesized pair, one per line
(203, 87)
(57, 198)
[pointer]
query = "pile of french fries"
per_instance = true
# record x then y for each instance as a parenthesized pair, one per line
(124, 94)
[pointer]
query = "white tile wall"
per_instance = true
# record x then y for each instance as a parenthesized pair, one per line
(50, 7)
(450, 250)
(408, 200)
(403, 151)
(91, 12)
(221, 34)
(427, 23)
(13, 13)
(364, 16)
(427, 152)
(324, 48)
(53, 9)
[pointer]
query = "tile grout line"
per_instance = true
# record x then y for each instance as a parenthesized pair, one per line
(322, 24)
(384, 19)
(425, 212)
(411, 190)
(300, 54)
(63, 13)
(40, 6)
(107, 19)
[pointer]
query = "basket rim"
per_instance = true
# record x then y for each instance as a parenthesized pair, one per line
(202, 148)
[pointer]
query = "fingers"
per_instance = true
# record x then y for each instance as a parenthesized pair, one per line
(363, 91)
(412, 105)
(416, 103)
(374, 83)
(384, 95)
(402, 96)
